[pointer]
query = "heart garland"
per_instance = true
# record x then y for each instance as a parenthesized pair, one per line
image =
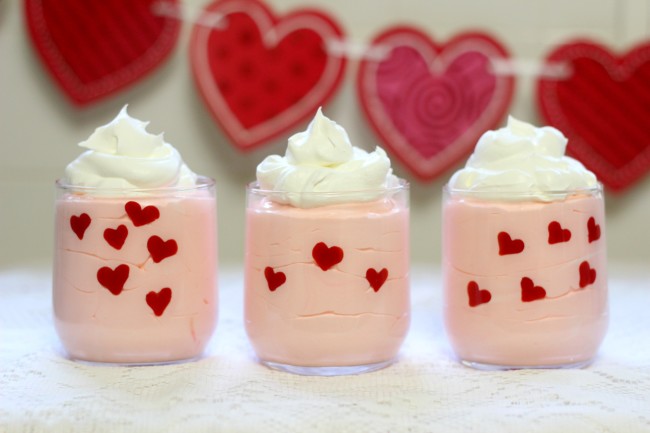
(602, 107)
(94, 49)
(261, 75)
(428, 102)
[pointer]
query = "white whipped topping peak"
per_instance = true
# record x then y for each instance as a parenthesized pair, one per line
(123, 155)
(519, 160)
(322, 159)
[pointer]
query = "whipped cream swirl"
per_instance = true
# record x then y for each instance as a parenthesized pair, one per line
(123, 155)
(322, 160)
(520, 162)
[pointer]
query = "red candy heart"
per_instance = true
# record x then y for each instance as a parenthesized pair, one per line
(556, 234)
(507, 245)
(93, 49)
(160, 249)
(158, 301)
(602, 107)
(325, 256)
(587, 275)
(113, 279)
(116, 237)
(376, 279)
(428, 102)
(476, 295)
(261, 75)
(530, 292)
(274, 279)
(79, 224)
(593, 229)
(140, 216)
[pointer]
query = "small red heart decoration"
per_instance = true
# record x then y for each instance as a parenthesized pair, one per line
(274, 279)
(93, 49)
(158, 301)
(587, 275)
(593, 230)
(556, 234)
(325, 256)
(160, 249)
(116, 237)
(428, 102)
(140, 216)
(113, 279)
(530, 292)
(477, 296)
(376, 279)
(261, 75)
(79, 224)
(507, 245)
(602, 107)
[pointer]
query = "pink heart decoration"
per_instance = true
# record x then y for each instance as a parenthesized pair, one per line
(261, 75)
(429, 103)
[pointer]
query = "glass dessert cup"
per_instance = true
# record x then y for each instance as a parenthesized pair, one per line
(327, 287)
(134, 278)
(524, 278)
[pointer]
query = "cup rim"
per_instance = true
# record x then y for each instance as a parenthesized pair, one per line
(509, 195)
(202, 182)
(403, 185)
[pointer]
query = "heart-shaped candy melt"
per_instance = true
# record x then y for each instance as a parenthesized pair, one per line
(95, 48)
(477, 296)
(140, 216)
(556, 234)
(116, 237)
(376, 279)
(593, 230)
(507, 245)
(79, 224)
(530, 292)
(158, 301)
(261, 75)
(428, 102)
(587, 275)
(160, 249)
(326, 257)
(274, 279)
(601, 105)
(113, 279)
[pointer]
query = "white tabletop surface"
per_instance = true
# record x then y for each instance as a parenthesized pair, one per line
(227, 391)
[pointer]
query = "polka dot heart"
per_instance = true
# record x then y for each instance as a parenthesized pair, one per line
(430, 102)
(261, 75)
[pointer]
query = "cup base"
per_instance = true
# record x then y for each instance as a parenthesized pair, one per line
(117, 363)
(498, 367)
(327, 370)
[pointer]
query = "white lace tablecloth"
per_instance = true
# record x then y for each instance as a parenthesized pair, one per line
(227, 391)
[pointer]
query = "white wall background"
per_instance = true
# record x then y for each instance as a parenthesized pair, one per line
(39, 129)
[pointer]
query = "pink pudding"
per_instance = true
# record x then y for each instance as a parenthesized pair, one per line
(130, 287)
(327, 286)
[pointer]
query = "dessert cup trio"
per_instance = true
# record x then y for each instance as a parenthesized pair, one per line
(326, 272)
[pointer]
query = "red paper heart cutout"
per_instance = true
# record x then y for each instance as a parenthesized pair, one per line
(113, 279)
(507, 245)
(429, 103)
(593, 230)
(325, 256)
(477, 296)
(530, 292)
(160, 249)
(376, 279)
(602, 107)
(158, 301)
(79, 224)
(274, 279)
(116, 237)
(140, 216)
(94, 49)
(587, 275)
(556, 234)
(261, 75)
